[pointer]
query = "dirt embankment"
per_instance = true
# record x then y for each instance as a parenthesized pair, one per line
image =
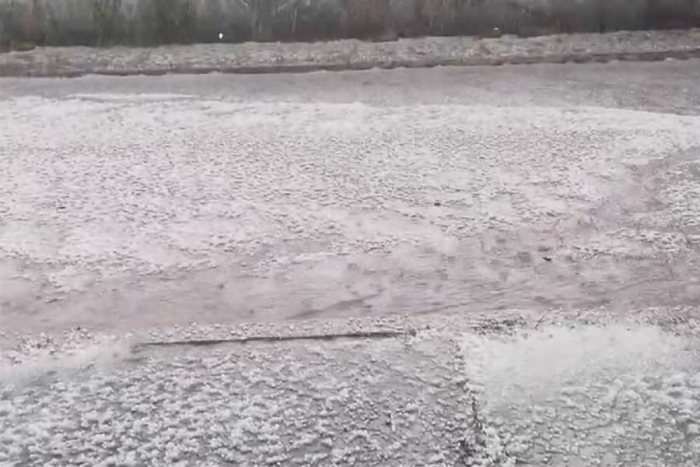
(24, 23)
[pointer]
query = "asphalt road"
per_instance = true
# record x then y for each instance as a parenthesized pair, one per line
(560, 203)
(153, 201)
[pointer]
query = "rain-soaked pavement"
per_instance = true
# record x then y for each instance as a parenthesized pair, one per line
(139, 200)
(565, 195)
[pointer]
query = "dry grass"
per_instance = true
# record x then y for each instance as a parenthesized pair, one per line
(148, 22)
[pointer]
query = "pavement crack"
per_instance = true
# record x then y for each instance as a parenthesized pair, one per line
(270, 339)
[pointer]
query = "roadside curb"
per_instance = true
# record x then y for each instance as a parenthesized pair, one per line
(385, 64)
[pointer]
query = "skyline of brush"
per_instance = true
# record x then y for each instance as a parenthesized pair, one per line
(153, 22)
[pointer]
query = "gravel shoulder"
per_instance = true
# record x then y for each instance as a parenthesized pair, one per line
(351, 54)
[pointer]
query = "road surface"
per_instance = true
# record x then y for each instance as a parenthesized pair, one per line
(153, 201)
(564, 195)
(616, 395)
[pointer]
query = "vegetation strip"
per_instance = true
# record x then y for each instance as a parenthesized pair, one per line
(24, 23)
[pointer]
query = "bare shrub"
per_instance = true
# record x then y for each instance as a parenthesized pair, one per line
(151, 22)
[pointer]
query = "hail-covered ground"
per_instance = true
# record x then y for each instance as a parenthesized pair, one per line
(511, 255)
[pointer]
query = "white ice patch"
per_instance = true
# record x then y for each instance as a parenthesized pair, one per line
(561, 396)
(70, 360)
(536, 365)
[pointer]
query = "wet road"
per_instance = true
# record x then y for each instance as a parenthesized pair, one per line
(538, 226)
(153, 201)
(620, 395)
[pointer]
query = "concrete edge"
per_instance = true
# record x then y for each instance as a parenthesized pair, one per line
(20, 349)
